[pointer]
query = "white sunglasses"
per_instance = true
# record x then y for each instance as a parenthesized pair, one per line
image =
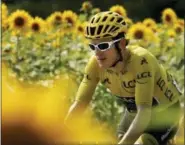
(103, 46)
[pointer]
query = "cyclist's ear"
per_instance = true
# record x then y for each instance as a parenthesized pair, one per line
(123, 43)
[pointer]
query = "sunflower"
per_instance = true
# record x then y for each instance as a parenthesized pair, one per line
(178, 28)
(129, 22)
(169, 17)
(95, 11)
(181, 22)
(70, 19)
(4, 9)
(148, 22)
(4, 15)
(37, 25)
(171, 33)
(19, 20)
(56, 43)
(139, 31)
(86, 6)
(55, 19)
(80, 27)
(4, 22)
(151, 36)
(119, 9)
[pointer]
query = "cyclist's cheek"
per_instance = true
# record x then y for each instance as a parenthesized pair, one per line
(106, 58)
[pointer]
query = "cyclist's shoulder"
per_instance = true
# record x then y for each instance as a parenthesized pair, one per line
(92, 61)
(92, 64)
(139, 53)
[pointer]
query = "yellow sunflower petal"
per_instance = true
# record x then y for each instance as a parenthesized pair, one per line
(19, 20)
(139, 33)
(149, 22)
(169, 17)
(55, 20)
(38, 25)
(181, 22)
(4, 21)
(86, 6)
(70, 19)
(80, 27)
(4, 9)
(178, 28)
(119, 9)
(171, 33)
(129, 22)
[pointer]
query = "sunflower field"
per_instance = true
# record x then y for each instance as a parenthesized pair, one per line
(42, 65)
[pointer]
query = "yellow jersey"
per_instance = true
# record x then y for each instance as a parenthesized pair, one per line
(144, 80)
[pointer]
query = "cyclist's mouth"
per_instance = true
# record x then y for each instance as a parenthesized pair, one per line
(101, 58)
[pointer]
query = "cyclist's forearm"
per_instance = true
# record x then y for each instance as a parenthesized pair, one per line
(76, 107)
(137, 127)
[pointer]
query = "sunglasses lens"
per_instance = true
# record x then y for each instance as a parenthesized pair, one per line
(92, 46)
(103, 46)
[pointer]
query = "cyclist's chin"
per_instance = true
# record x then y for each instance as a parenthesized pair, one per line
(104, 63)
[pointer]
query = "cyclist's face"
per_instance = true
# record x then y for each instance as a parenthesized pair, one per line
(105, 58)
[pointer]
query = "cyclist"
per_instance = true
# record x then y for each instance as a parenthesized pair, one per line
(133, 74)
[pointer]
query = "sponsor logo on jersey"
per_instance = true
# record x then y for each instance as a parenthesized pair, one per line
(174, 82)
(167, 92)
(124, 72)
(169, 76)
(129, 85)
(144, 75)
(106, 81)
(87, 77)
(144, 61)
(112, 72)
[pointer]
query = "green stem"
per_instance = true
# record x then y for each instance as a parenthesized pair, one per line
(17, 47)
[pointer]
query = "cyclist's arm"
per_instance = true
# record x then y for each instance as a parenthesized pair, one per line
(138, 125)
(143, 96)
(86, 89)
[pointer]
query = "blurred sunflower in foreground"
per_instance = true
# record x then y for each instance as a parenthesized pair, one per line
(19, 21)
(169, 17)
(70, 19)
(119, 9)
(180, 133)
(31, 117)
(55, 20)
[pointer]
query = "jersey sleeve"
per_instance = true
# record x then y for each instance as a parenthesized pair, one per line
(144, 75)
(89, 82)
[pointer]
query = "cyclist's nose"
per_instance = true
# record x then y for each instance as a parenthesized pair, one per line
(97, 51)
